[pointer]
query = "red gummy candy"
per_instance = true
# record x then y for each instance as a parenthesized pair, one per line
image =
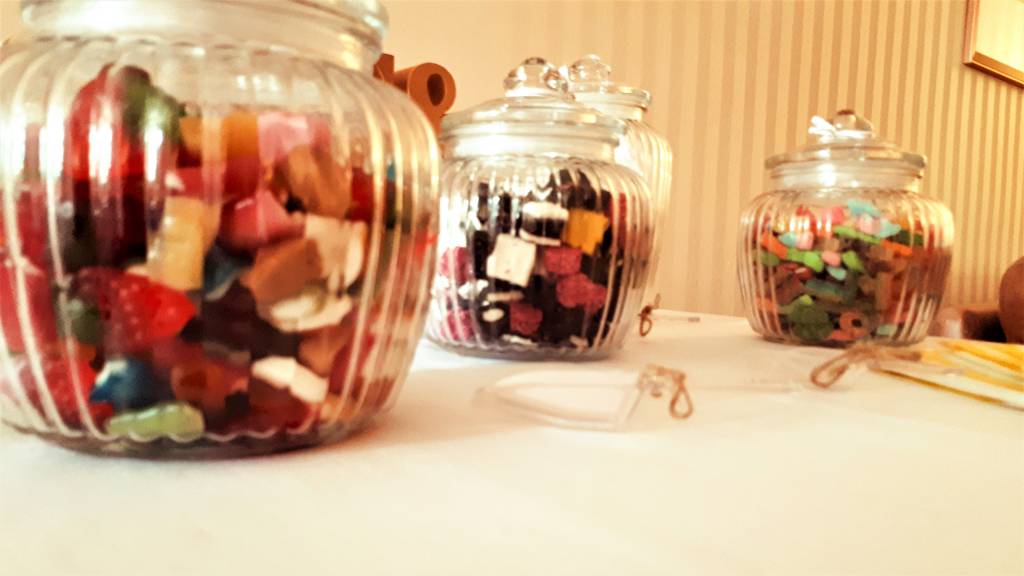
(454, 265)
(524, 319)
(577, 290)
(40, 309)
(362, 196)
(58, 373)
(253, 221)
(136, 312)
(562, 261)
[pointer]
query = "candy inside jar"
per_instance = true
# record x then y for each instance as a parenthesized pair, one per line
(842, 248)
(545, 242)
(219, 269)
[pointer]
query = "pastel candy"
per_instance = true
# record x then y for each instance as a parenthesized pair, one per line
(859, 207)
(831, 258)
(788, 239)
(287, 374)
(805, 241)
(173, 419)
(512, 260)
(887, 229)
(868, 225)
(543, 223)
(837, 272)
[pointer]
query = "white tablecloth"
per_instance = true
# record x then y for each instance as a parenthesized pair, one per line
(769, 476)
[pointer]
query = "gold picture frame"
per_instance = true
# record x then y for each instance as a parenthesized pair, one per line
(990, 45)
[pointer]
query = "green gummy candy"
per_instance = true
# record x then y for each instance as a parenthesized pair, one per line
(813, 261)
(769, 259)
(852, 261)
(885, 330)
(825, 290)
(836, 272)
(852, 233)
(812, 332)
(810, 259)
(163, 420)
(812, 314)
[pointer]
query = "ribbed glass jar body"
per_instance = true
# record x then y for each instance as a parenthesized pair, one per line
(646, 151)
(541, 256)
(864, 260)
(217, 236)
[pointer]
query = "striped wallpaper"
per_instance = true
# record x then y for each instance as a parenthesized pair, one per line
(736, 81)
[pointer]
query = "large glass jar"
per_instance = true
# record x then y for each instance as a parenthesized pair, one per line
(545, 241)
(842, 248)
(641, 148)
(216, 224)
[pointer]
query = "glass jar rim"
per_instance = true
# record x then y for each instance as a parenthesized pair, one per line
(367, 18)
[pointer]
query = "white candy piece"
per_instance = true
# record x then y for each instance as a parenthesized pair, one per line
(512, 260)
(287, 374)
(310, 310)
(539, 239)
(493, 314)
(513, 296)
(341, 246)
(513, 339)
(544, 211)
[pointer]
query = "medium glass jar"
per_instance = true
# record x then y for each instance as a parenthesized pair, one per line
(216, 225)
(842, 248)
(545, 241)
(641, 148)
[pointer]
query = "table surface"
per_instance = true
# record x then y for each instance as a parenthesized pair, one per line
(769, 476)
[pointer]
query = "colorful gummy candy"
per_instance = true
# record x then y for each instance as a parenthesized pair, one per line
(843, 273)
(214, 292)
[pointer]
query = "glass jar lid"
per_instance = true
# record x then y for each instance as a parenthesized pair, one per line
(849, 140)
(537, 103)
(589, 81)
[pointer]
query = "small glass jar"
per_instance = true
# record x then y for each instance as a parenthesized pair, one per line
(545, 241)
(841, 248)
(642, 148)
(217, 227)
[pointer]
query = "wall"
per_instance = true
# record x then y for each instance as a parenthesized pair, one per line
(734, 82)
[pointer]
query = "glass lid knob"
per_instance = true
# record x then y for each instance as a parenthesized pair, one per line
(536, 77)
(589, 68)
(845, 125)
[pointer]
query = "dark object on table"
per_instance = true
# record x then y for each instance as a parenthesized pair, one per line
(1011, 302)
(974, 322)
